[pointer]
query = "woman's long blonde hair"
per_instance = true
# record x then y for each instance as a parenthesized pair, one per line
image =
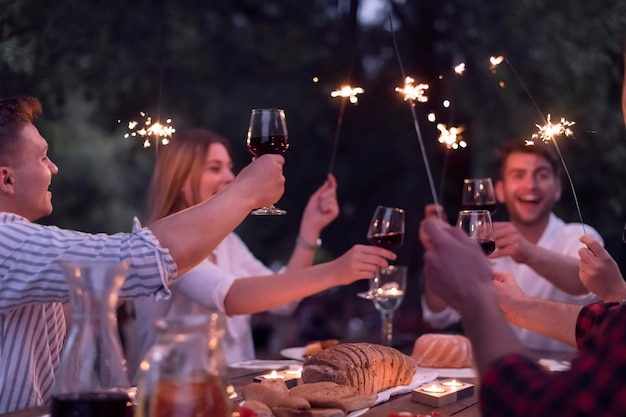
(184, 157)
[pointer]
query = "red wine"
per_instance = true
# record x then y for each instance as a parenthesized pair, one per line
(389, 241)
(193, 398)
(488, 246)
(260, 145)
(490, 207)
(92, 404)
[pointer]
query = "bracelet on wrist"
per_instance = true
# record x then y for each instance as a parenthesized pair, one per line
(306, 245)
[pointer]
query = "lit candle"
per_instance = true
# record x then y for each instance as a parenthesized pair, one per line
(453, 383)
(434, 388)
(273, 375)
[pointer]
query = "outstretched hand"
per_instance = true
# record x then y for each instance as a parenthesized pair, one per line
(361, 262)
(599, 272)
(321, 209)
(262, 180)
(509, 294)
(510, 242)
(455, 267)
(431, 211)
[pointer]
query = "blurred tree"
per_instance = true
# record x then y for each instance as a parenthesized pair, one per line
(207, 63)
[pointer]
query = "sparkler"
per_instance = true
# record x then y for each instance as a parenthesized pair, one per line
(149, 130)
(411, 94)
(548, 132)
(345, 92)
(451, 137)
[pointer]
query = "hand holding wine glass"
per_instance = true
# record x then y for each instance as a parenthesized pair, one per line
(478, 194)
(386, 230)
(267, 134)
(388, 296)
(477, 224)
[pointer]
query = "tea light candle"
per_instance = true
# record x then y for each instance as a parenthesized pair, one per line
(287, 377)
(453, 383)
(434, 388)
(442, 393)
(273, 375)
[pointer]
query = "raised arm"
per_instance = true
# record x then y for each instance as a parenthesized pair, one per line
(358, 263)
(433, 302)
(191, 234)
(458, 272)
(549, 318)
(599, 272)
(560, 270)
(321, 209)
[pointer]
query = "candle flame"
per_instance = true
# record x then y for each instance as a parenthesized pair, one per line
(550, 130)
(413, 92)
(150, 131)
(451, 137)
(348, 91)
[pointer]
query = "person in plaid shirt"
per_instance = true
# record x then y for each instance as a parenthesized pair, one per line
(512, 382)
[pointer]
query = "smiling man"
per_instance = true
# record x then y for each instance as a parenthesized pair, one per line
(32, 284)
(537, 247)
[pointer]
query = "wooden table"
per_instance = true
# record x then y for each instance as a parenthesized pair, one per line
(239, 377)
(467, 407)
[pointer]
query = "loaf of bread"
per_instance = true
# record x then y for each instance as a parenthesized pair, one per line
(367, 367)
(443, 351)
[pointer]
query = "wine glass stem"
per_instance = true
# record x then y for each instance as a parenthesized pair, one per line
(375, 280)
(386, 332)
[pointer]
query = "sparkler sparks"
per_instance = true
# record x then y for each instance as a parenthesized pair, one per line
(348, 91)
(413, 92)
(451, 137)
(494, 61)
(460, 69)
(549, 131)
(150, 131)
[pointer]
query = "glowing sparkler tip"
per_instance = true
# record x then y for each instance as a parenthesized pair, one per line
(413, 92)
(348, 92)
(460, 69)
(494, 61)
(451, 137)
(150, 130)
(550, 130)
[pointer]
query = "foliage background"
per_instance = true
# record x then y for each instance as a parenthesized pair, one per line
(207, 63)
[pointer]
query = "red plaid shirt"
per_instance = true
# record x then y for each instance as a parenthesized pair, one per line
(595, 385)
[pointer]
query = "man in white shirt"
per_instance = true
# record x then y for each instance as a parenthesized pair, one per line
(32, 285)
(537, 247)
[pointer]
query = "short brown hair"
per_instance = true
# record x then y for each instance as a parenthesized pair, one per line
(15, 113)
(520, 146)
(183, 157)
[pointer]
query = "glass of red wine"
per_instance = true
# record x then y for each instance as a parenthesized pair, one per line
(478, 194)
(267, 134)
(477, 224)
(386, 230)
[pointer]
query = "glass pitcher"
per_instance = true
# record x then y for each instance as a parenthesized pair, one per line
(183, 373)
(91, 379)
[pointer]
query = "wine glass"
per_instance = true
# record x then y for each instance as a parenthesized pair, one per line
(477, 224)
(267, 134)
(478, 194)
(386, 230)
(387, 298)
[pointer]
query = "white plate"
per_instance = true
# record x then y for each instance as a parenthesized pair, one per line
(296, 353)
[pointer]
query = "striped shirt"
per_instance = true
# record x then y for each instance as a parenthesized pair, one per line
(32, 288)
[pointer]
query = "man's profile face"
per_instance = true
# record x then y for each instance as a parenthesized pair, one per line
(32, 172)
(528, 187)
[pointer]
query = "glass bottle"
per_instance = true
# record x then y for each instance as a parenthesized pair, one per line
(182, 375)
(91, 380)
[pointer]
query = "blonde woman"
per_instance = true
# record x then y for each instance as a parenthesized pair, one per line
(192, 169)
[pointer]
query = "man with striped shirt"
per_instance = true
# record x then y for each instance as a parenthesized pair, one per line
(32, 285)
